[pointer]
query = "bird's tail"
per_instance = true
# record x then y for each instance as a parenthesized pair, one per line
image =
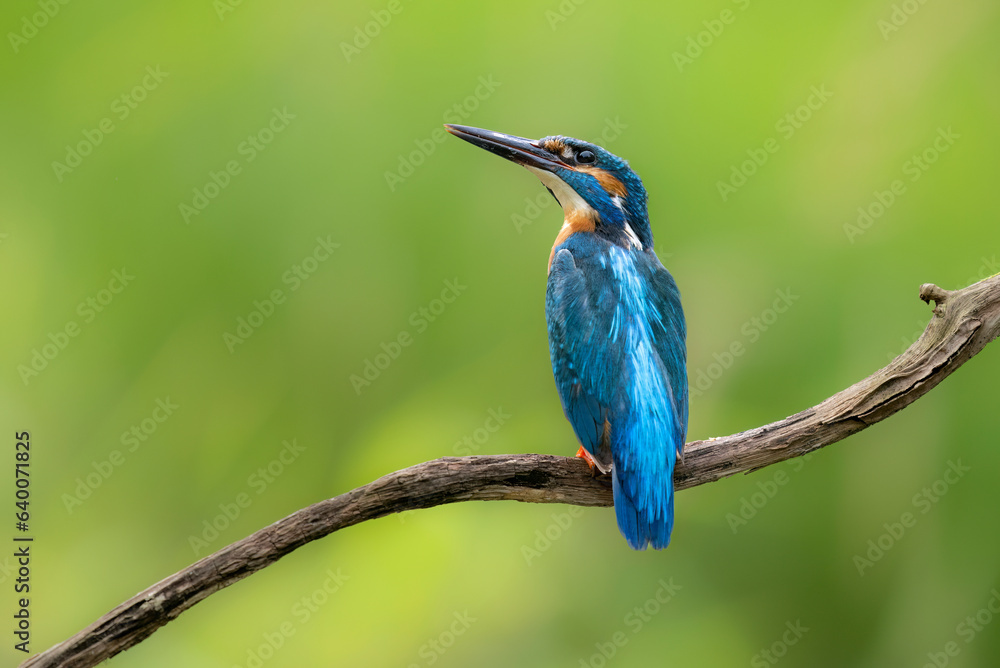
(642, 526)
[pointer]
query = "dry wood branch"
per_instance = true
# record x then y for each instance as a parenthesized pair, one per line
(964, 322)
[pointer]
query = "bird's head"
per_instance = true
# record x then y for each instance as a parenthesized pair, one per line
(597, 190)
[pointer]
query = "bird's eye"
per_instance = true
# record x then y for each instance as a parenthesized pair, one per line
(586, 157)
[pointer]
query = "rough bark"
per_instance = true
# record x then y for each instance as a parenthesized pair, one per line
(963, 322)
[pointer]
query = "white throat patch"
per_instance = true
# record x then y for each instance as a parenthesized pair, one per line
(568, 198)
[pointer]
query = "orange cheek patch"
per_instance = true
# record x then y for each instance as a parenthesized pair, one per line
(576, 221)
(610, 184)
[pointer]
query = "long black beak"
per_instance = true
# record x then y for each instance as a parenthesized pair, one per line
(516, 149)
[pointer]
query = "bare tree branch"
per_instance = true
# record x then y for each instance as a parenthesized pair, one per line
(964, 322)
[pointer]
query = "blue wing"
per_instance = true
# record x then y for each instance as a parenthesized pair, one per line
(579, 313)
(617, 343)
(669, 340)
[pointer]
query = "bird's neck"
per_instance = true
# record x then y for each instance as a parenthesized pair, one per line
(577, 220)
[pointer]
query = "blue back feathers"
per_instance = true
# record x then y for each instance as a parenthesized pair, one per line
(617, 344)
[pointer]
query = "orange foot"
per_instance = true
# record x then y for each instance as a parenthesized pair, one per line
(585, 456)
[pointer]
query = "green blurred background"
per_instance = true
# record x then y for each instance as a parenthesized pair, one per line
(582, 69)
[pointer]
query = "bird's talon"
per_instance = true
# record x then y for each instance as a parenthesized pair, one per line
(585, 456)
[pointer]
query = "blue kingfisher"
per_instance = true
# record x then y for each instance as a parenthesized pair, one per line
(615, 323)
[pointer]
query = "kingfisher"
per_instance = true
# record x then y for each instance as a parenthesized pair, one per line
(615, 324)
